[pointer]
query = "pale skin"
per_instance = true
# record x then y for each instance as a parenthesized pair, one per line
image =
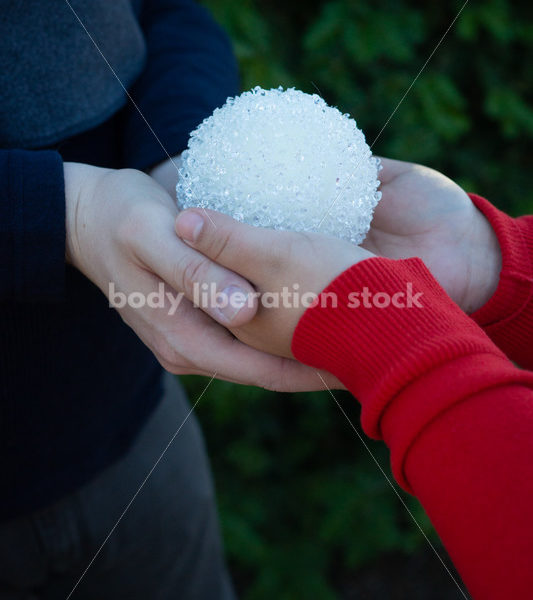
(120, 229)
(422, 213)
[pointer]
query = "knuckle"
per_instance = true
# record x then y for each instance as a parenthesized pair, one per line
(282, 378)
(169, 358)
(173, 369)
(167, 366)
(270, 383)
(188, 271)
(277, 256)
(220, 244)
(266, 383)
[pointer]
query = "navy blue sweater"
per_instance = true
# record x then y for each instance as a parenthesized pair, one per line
(76, 383)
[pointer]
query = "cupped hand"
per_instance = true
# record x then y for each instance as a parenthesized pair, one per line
(423, 213)
(120, 234)
(288, 270)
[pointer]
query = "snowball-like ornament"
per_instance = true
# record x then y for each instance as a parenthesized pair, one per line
(282, 159)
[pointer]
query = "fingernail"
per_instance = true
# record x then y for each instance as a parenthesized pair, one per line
(189, 226)
(231, 300)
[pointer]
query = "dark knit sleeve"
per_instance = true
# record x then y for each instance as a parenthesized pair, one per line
(32, 222)
(190, 71)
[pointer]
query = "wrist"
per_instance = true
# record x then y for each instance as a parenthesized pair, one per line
(485, 258)
(514, 291)
(80, 182)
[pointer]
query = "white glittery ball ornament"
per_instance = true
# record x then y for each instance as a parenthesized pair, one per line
(282, 159)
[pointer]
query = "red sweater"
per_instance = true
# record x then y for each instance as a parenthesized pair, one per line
(455, 412)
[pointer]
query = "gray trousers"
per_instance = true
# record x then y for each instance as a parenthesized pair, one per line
(166, 546)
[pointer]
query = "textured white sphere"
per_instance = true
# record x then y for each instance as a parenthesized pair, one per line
(282, 159)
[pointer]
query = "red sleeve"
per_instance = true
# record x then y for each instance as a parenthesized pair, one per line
(508, 316)
(456, 414)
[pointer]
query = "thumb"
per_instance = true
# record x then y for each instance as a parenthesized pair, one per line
(237, 246)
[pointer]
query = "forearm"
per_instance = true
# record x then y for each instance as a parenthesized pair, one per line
(80, 183)
(456, 414)
(472, 472)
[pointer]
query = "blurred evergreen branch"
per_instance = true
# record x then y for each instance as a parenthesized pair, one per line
(299, 496)
(470, 115)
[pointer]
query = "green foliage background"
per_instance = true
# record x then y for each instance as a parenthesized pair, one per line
(302, 503)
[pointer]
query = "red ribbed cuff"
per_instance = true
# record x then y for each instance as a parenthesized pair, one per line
(421, 403)
(377, 352)
(508, 316)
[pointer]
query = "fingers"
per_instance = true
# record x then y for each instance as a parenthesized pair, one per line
(225, 296)
(190, 342)
(227, 241)
(193, 343)
(234, 361)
